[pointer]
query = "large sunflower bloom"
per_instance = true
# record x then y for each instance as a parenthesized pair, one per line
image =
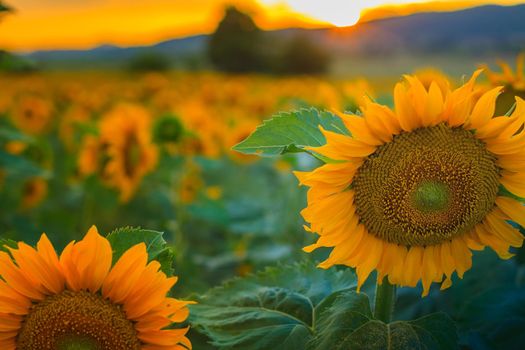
(415, 190)
(48, 303)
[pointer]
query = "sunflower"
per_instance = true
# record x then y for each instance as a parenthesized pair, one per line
(514, 82)
(124, 152)
(32, 114)
(414, 190)
(190, 184)
(79, 301)
(355, 93)
(33, 192)
(70, 123)
(132, 154)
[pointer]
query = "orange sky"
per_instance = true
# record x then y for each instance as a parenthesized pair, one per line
(52, 24)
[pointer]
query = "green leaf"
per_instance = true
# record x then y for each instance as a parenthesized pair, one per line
(291, 132)
(348, 324)
(4, 243)
(272, 309)
(124, 238)
(17, 165)
(11, 134)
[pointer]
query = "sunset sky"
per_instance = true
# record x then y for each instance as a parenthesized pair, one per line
(65, 24)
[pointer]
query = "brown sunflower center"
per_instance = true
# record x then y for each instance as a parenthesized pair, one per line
(132, 155)
(77, 320)
(426, 186)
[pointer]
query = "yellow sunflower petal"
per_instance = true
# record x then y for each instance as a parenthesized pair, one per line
(358, 129)
(405, 112)
(512, 208)
(500, 246)
(164, 337)
(502, 229)
(484, 109)
(125, 274)
(18, 280)
(413, 266)
(87, 263)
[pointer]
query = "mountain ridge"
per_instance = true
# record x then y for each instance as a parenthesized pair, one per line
(489, 28)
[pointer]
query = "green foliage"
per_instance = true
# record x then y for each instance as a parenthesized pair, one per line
(272, 309)
(348, 324)
(481, 309)
(291, 132)
(302, 56)
(19, 166)
(15, 64)
(167, 128)
(498, 316)
(4, 243)
(8, 133)
(237, 44)
(124, 238)
(149, 62)
(302, 307)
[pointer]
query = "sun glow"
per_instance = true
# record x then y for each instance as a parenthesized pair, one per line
(336, 12)
(131, 23)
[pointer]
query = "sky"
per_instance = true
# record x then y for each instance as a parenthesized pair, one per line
(81, 24)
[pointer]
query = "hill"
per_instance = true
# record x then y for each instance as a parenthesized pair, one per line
(485, 30)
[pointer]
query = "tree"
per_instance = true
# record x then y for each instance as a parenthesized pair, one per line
(4, 9)
(302, 56)
(237, 44)
(149, 62)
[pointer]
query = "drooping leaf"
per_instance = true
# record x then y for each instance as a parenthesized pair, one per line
(291, 132)
(348, 324)
(273, 309)
(124, 238)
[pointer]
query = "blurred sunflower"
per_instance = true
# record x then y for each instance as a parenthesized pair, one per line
(78, 301)
(514, 83)
(355, 93)
(214, 192)
(413, 191)
(190, 183)
(89, 161)
(70, 123)
(15, 147)
(32, 114)
(427, 76)
(206, 130)
(124, 151)
(33, 192)
(127, 132)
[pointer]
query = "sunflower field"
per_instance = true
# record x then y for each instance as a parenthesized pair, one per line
(295, 212)
(262, 175)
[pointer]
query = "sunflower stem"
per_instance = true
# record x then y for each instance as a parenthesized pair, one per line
(385, 300)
